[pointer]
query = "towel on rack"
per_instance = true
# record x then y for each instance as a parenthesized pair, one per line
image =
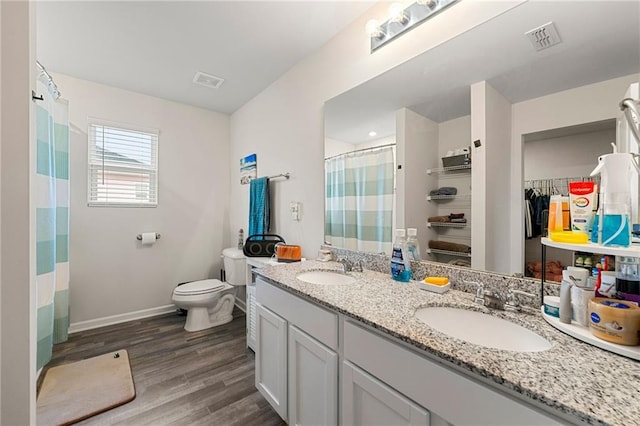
(259, 209)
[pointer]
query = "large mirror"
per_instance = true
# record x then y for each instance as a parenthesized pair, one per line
(539, 118)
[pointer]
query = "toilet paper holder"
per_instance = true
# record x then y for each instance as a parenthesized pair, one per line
(139, 237)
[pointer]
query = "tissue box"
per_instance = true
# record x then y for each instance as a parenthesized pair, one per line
(456, 160)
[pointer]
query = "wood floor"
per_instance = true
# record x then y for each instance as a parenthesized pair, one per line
(198, 378)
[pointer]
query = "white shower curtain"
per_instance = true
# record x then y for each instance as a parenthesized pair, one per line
(359, 189)
(51, 185)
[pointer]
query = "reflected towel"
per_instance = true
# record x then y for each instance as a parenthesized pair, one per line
(259, 209)
(445, 245)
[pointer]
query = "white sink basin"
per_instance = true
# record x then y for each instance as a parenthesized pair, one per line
(325, 278)
(482, 329)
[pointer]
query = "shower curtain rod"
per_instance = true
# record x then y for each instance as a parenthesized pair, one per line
(371, 148)
(53, 88)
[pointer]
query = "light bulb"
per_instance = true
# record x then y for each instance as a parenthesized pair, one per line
(396, 13)
(373, 28)
(372, 133)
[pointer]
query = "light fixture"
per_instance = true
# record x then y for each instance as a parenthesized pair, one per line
(402, 19)
(372, 133)
(397, 14)
(374, 30)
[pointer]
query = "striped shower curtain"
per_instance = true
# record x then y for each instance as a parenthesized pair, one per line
(52, 222)
(359, 189)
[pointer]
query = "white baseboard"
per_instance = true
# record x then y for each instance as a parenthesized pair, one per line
(117, 319)
(241, 305)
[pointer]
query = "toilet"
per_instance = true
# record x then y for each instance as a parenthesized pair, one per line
(210, 302)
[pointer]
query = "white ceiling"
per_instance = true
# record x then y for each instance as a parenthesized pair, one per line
(156, 47)
(600, 41)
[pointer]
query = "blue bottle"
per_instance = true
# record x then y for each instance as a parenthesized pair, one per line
(400, 265)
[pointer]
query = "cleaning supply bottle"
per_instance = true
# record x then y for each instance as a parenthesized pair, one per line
(240, 239)
(413, 247)
(400, 266)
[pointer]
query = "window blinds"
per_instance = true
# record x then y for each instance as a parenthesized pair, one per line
(123, 166)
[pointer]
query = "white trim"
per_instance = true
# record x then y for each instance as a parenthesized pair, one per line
(241, 305)
(117, 319)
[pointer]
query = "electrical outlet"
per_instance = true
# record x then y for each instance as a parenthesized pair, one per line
(294, 208)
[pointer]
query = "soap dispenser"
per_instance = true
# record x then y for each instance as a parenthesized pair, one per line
(612, 225)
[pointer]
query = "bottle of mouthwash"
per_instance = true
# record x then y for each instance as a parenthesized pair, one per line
(400, 266)
(413, 248)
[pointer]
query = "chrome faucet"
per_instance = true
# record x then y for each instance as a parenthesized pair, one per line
(346, 265)
(486, 298)
(512, 304)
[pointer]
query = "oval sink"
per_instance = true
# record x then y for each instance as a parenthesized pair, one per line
(325, 278)
(482, 329)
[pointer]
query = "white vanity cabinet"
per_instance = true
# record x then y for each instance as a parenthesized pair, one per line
(296, 357)
(451, 397)
(368, 401)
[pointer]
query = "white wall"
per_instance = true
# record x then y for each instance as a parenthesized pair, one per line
(17, 228)
(111, 273)
(567, 156)
(283, 125)
(417, 140)
(586, 104)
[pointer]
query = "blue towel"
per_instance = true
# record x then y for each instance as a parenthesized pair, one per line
(259, 209)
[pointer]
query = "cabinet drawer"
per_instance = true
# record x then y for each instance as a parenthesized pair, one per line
(456, 398)
(318, 322)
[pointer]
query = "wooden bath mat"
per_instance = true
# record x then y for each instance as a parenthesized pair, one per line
(76, 391)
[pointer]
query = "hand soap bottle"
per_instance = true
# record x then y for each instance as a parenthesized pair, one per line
(400, 266)
(413, 248)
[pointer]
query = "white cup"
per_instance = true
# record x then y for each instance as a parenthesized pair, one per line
(580, 297)
(449, 154)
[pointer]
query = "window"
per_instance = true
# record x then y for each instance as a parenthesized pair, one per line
(123, 166)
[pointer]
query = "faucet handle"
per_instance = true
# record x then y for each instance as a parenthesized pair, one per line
(512, 304)
(479, 298)
(357, 266)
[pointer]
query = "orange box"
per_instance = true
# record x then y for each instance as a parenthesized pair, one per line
(288, 253)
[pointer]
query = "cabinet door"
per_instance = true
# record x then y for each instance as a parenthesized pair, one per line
(271, 359)
(367, 401)
(313, 381)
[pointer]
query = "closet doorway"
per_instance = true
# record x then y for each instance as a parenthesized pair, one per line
(552, 159)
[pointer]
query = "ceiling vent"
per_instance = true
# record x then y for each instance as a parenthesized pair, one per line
(208, 80)
(543, 36)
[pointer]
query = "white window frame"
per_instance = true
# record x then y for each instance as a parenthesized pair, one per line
(93, 168)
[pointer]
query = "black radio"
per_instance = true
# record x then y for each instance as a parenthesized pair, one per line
(261, 245)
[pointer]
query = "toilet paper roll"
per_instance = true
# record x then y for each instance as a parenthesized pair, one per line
(148, 238)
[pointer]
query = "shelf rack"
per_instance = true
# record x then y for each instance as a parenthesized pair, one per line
(448, 197)
(447, 225)
(632, 251)
(449, 253)
(449, 169)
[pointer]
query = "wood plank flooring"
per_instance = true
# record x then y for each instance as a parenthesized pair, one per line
(181, 378)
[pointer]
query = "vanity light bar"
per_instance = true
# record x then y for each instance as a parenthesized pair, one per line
(399, 23)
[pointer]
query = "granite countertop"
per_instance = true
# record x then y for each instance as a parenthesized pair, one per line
(572, 378)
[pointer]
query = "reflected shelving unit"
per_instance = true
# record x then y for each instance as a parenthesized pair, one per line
(458, 177)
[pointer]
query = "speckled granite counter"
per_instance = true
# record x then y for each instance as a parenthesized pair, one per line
(572, 378)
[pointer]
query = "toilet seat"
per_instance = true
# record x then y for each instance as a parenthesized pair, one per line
(196, 288)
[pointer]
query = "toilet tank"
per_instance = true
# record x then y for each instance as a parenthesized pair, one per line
(235, 264)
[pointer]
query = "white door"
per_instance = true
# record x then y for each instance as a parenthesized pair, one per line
(313, 381)
(367, 401)
(271, 359)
